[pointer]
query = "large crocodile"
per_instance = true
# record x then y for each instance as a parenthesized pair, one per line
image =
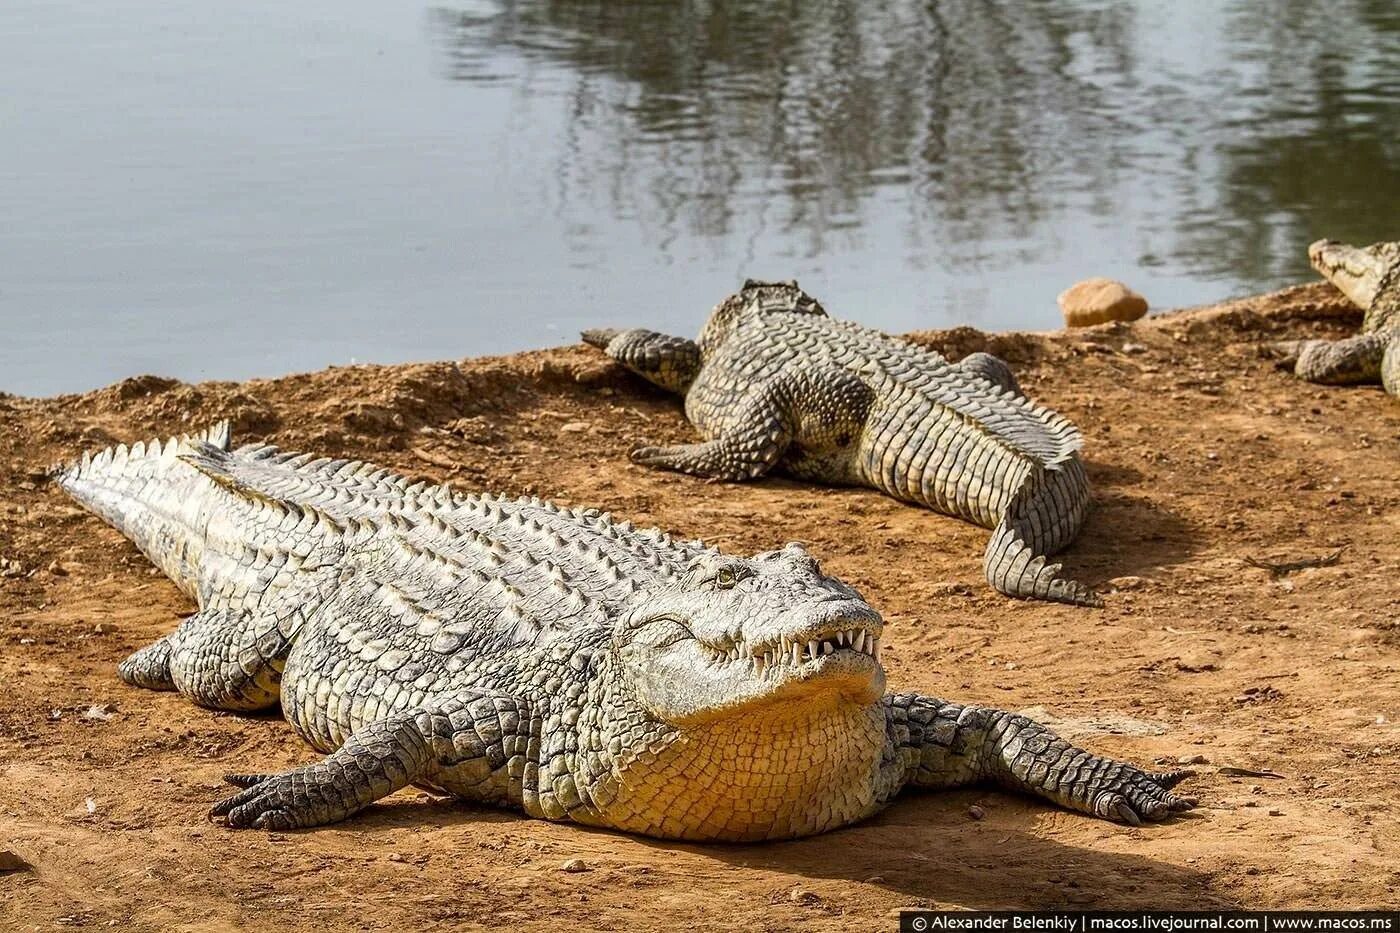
(1370, 277)
(521, 654)
(773, 382)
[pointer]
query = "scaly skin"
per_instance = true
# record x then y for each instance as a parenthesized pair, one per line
(774, 383)
(1370, 277)
(549, 660)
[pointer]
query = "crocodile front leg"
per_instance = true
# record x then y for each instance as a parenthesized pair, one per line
(993, 369)
(478, 738)
(803, 412)
(669, 362)
(943, 745)
(1336, 362)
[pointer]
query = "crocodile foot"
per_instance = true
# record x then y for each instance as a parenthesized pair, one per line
(1133, 796)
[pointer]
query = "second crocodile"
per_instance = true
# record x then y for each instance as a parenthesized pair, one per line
(775, 383)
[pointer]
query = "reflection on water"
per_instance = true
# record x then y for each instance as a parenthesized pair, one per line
(1245, 130)
(306, 184)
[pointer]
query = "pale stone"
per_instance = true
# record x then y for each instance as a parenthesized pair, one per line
(1099, 300)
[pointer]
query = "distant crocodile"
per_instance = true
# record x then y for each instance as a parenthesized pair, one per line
(1370, 277)
(773, 382)
(526, 655)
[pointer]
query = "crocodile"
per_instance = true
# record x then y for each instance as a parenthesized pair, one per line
(1370, 278)
(773, 382)
(551, 660)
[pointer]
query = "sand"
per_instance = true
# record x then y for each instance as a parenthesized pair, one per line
(1201, 454)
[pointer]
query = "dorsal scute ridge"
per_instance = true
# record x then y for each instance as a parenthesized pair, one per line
(150, 451)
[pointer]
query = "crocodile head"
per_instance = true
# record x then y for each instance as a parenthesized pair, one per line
(735, 633)
(1369, 276)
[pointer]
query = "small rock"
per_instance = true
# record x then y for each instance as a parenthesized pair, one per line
(1275, 813)
(103, 628)
(396, 857)
(1192, 760)
(1127, 583)
(1134, 348)
(1099, 300)
(57, 569)
(574, 427)
(98, 712)
(799, 896)
(574, 865)
(1251, 870)
(9, 861)
(976, 812)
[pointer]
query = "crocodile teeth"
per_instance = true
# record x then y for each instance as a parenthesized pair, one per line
(875, 647)
(814, 649)
(827, 648)
(796, 653)
(858, 642)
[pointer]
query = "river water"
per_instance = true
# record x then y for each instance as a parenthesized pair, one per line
(229, 190)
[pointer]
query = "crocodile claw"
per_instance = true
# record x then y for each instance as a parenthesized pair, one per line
(1135, 797)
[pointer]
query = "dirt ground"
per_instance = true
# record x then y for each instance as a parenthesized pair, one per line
(1201, 454)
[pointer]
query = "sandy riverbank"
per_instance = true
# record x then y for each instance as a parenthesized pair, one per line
(1200, 453)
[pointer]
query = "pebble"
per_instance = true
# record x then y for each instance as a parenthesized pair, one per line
(98, 712)
(574, 865)
(104, 628)
(976, 812)
(9, 861)
(1098, 301)
(57, 569)
(799, 896)
(1192, 760)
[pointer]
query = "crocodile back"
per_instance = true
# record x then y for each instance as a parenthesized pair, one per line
(764, 341)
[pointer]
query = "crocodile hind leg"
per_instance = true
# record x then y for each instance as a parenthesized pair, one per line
(802, 414)
(149, 667)
(219, 658)
(484, 740)
(993, 369)
(669, 362)
(942, 745)
(1336, 362)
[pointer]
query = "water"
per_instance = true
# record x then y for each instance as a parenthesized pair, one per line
(229, 190)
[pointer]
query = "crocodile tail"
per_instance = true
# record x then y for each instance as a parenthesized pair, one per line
(150, 495)
(1044, 517)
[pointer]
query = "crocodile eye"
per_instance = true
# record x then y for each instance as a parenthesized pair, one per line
(726, 578)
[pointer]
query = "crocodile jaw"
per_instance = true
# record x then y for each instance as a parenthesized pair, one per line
(1360, 274)
(828, 647)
